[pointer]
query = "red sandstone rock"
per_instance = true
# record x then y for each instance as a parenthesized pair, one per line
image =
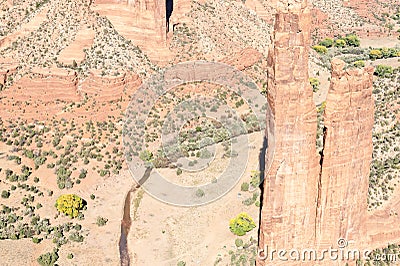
(288, 205)
(109, 88)
(347, 155)
(243, 59)
(46, 85)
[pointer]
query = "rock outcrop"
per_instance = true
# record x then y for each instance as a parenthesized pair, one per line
(46, 85)
(347, 156)
(288, 205)
(243, 59)
(109, 88)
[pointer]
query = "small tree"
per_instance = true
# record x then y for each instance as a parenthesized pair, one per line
(241, 224)
(48, 259)
(70, 204)
(5, 194)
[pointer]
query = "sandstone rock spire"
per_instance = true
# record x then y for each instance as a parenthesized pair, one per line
(290, 186)
(347, 155)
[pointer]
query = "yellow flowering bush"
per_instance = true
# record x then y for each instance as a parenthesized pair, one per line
(70, 204)
(241, 224)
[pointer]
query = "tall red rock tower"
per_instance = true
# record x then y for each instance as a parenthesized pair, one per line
(290, 186)
(347, 156)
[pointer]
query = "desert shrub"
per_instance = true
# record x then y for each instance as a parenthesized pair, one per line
(320, 49)
(383, 71)
(70, 204)
(181, 263)
(76, 237)
(327, 42)
(101, 221)
(5, 194)
(200, 193)
(92, 196)
(340, 43)
(241, 224)
(36, 240)
(70, 256)
(179, 171)
(314, 82)
(239, 242)
(359, 63)
(244, 186)
(48, 259)
(146, 156)
(375, 54)
(352, 40)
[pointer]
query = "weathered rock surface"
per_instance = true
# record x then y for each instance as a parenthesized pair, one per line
(243, 59)
(109, 88)
(347, 155)
(288, 205)
(46, 85)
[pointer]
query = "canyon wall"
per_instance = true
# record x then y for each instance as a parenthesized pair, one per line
(288, 205)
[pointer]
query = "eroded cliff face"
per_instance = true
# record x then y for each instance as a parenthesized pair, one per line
(288, 206)
(107, 88)
(46, 85)
(347, 155)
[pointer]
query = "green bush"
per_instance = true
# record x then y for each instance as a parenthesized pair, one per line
(359, 64)
(314, 82)
(146, 156)
(5, 194)
(181, 263)
(383, 71)
(101, 221)
(239, 242)
(340, 43)
(70, 204)
(327, 42)
(375, 54)
(200, 193)
(320, 49)
(241, 224)
(352, 40)
(48, 259)
(244, 186)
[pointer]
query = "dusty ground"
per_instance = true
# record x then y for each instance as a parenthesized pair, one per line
(163, 234)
